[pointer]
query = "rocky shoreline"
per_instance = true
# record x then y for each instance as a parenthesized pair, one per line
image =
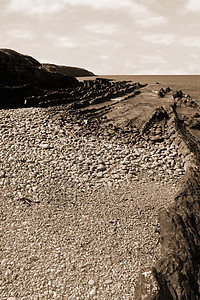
(99, 189)
(82, 206)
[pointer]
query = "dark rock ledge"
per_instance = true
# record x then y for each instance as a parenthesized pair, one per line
(177, 274)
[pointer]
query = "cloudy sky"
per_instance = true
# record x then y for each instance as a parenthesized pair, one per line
(106, 36)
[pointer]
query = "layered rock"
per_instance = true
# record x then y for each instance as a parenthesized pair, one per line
(67, 70)
(19, 69)
(176, 275)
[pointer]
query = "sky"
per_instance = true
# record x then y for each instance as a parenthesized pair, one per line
(106, 36)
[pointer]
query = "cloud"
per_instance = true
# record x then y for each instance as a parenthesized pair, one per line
(19, 34)
(141, 14)
(64, 42)
(152, 59)
(104, 56)
(159, 39)
(101, 28)
(192, 41)
(193, 6)
(36, 7)
(101, 4)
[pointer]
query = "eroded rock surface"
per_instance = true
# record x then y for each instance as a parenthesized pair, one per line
(176, 274)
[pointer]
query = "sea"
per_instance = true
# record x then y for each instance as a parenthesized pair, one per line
(189, 84)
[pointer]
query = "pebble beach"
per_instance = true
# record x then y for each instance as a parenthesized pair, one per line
(79, 214)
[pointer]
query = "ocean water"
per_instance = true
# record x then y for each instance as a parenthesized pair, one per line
(189, 84)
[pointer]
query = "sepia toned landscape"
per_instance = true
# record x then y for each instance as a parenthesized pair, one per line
(99, 179)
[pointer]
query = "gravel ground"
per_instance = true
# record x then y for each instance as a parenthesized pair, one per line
(79, 215)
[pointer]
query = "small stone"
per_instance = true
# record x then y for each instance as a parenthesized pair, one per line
(116, 176)
(109, 183)
(4, 261)
(44, 145)
(100, 174)
(91, 282)
(93, 291)
(2, 174)
(11, 298)
(8, 272)
(34, 258)
(101, 167)
(108, 281)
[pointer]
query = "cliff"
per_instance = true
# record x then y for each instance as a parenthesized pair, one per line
(17, 69)
(67, 70)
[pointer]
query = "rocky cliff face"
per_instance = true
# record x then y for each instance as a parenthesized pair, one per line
(22, 76)
(66, 70)
(177, 274)
(19, 69)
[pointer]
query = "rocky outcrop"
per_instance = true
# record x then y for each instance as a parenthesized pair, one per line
(67, 70)
(177, 274)
(26, 82)
(18, 69)
(162, 92)
(86, 93)
(184, 100)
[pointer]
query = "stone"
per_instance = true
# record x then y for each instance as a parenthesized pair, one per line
(2, 173)
(99, 174)
(4, 262)
(91, 282)
(44, 145)
(93, 292)
(101, 167)
(109, 183)
(108, 281)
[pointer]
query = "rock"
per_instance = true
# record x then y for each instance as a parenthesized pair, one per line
(2, 173)
(99, 174)
(91, 282)
(93, 292)
(44, 145)
(101, 167)
(34, 258)
(4, 262)
(108, 281)
(66, 70)
(19, 69)
(176, 274)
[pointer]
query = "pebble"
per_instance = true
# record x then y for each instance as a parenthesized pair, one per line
(108, 281)
(2, 174)
(44, 146)
(4, 262)
(91, 282)
(80, 165)
(93, 292)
